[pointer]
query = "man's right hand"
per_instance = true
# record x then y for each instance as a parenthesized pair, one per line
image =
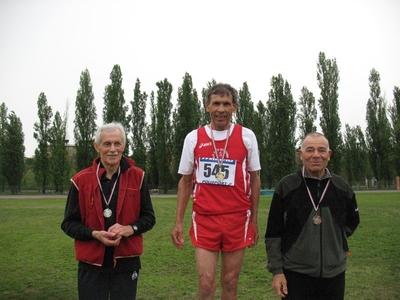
(107, 238)
(279, 284)
(177, 236)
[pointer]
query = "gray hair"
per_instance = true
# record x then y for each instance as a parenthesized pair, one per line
(109, 127)
(314, 135)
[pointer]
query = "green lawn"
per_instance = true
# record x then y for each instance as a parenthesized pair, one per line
(37, 258)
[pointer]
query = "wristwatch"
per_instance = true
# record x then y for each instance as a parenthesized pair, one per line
(134, 227)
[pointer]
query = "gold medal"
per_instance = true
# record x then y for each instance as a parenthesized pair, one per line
(220, 176)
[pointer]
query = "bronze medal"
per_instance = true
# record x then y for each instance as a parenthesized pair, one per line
(316, 220)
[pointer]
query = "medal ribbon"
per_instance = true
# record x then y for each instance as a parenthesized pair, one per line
(311, 197)
(220, 161)
(101, 189)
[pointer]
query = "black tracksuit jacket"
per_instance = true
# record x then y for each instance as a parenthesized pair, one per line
(292, 240)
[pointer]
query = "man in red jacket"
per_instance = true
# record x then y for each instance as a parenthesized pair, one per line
(108, 208)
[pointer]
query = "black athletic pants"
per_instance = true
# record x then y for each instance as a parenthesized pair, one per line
(104, 286)
(304, 287)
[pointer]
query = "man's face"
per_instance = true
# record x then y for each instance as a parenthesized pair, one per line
(315, 154)
(110, 148)
(221, 109)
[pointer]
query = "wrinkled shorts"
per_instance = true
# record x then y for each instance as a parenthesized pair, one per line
(225, 232)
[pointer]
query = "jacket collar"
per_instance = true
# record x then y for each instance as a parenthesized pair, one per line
(326, 175)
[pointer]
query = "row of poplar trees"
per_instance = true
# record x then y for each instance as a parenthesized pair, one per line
(279, 124)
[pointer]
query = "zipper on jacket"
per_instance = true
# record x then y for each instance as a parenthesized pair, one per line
(320, 245)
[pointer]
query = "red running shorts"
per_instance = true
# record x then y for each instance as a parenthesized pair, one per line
(225, 232)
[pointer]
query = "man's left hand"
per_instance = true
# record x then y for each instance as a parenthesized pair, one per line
(121, 230)
(256, 235)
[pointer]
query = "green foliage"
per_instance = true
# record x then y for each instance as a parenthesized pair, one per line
(186, 117)
(29, 177)
(245, 114)
(151, 166)
(205, 116)
(281, 144)
(3, 158)
(395, 117)
(156, 147)
(163, 133)
(261, 132)
(42, 135)
(139, 126)
(59, 164)
(355, 155)
(307, 114)
(328, 79)
(13, 165)
(85, 122)
(40, 264)
(114, 108)
(378, 130)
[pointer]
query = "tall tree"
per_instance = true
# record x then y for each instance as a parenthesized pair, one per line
(59, 165)
(14, 150)
(328, 79)
(395, 118)
(261, 132)
(114, 103)
(3, 157)
(281, 111)
(163, 132)
(42, 135)
(205, 116)
(186, 117)
(307, 114)
(139, 126)
(378, 130)
(85, 122)
(355, 155)
(245, 112)
(151, 165)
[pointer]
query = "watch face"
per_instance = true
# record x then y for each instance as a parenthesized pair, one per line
(135, 227)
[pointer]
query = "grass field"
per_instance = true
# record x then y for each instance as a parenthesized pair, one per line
(37, 258)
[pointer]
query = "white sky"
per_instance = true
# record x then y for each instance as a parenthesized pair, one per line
(45, 45)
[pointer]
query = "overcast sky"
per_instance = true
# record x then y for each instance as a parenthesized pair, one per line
(45, 46)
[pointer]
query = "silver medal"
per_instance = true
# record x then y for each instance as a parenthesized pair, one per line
(107, 213)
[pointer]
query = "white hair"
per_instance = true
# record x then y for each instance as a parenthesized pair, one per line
(109, 127)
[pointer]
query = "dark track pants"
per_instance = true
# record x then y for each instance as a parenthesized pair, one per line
(304, 287)
(104, 286)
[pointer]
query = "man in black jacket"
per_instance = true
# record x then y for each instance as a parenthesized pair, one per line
(312, 213)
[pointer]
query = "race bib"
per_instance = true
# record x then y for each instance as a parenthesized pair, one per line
(209, 168)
